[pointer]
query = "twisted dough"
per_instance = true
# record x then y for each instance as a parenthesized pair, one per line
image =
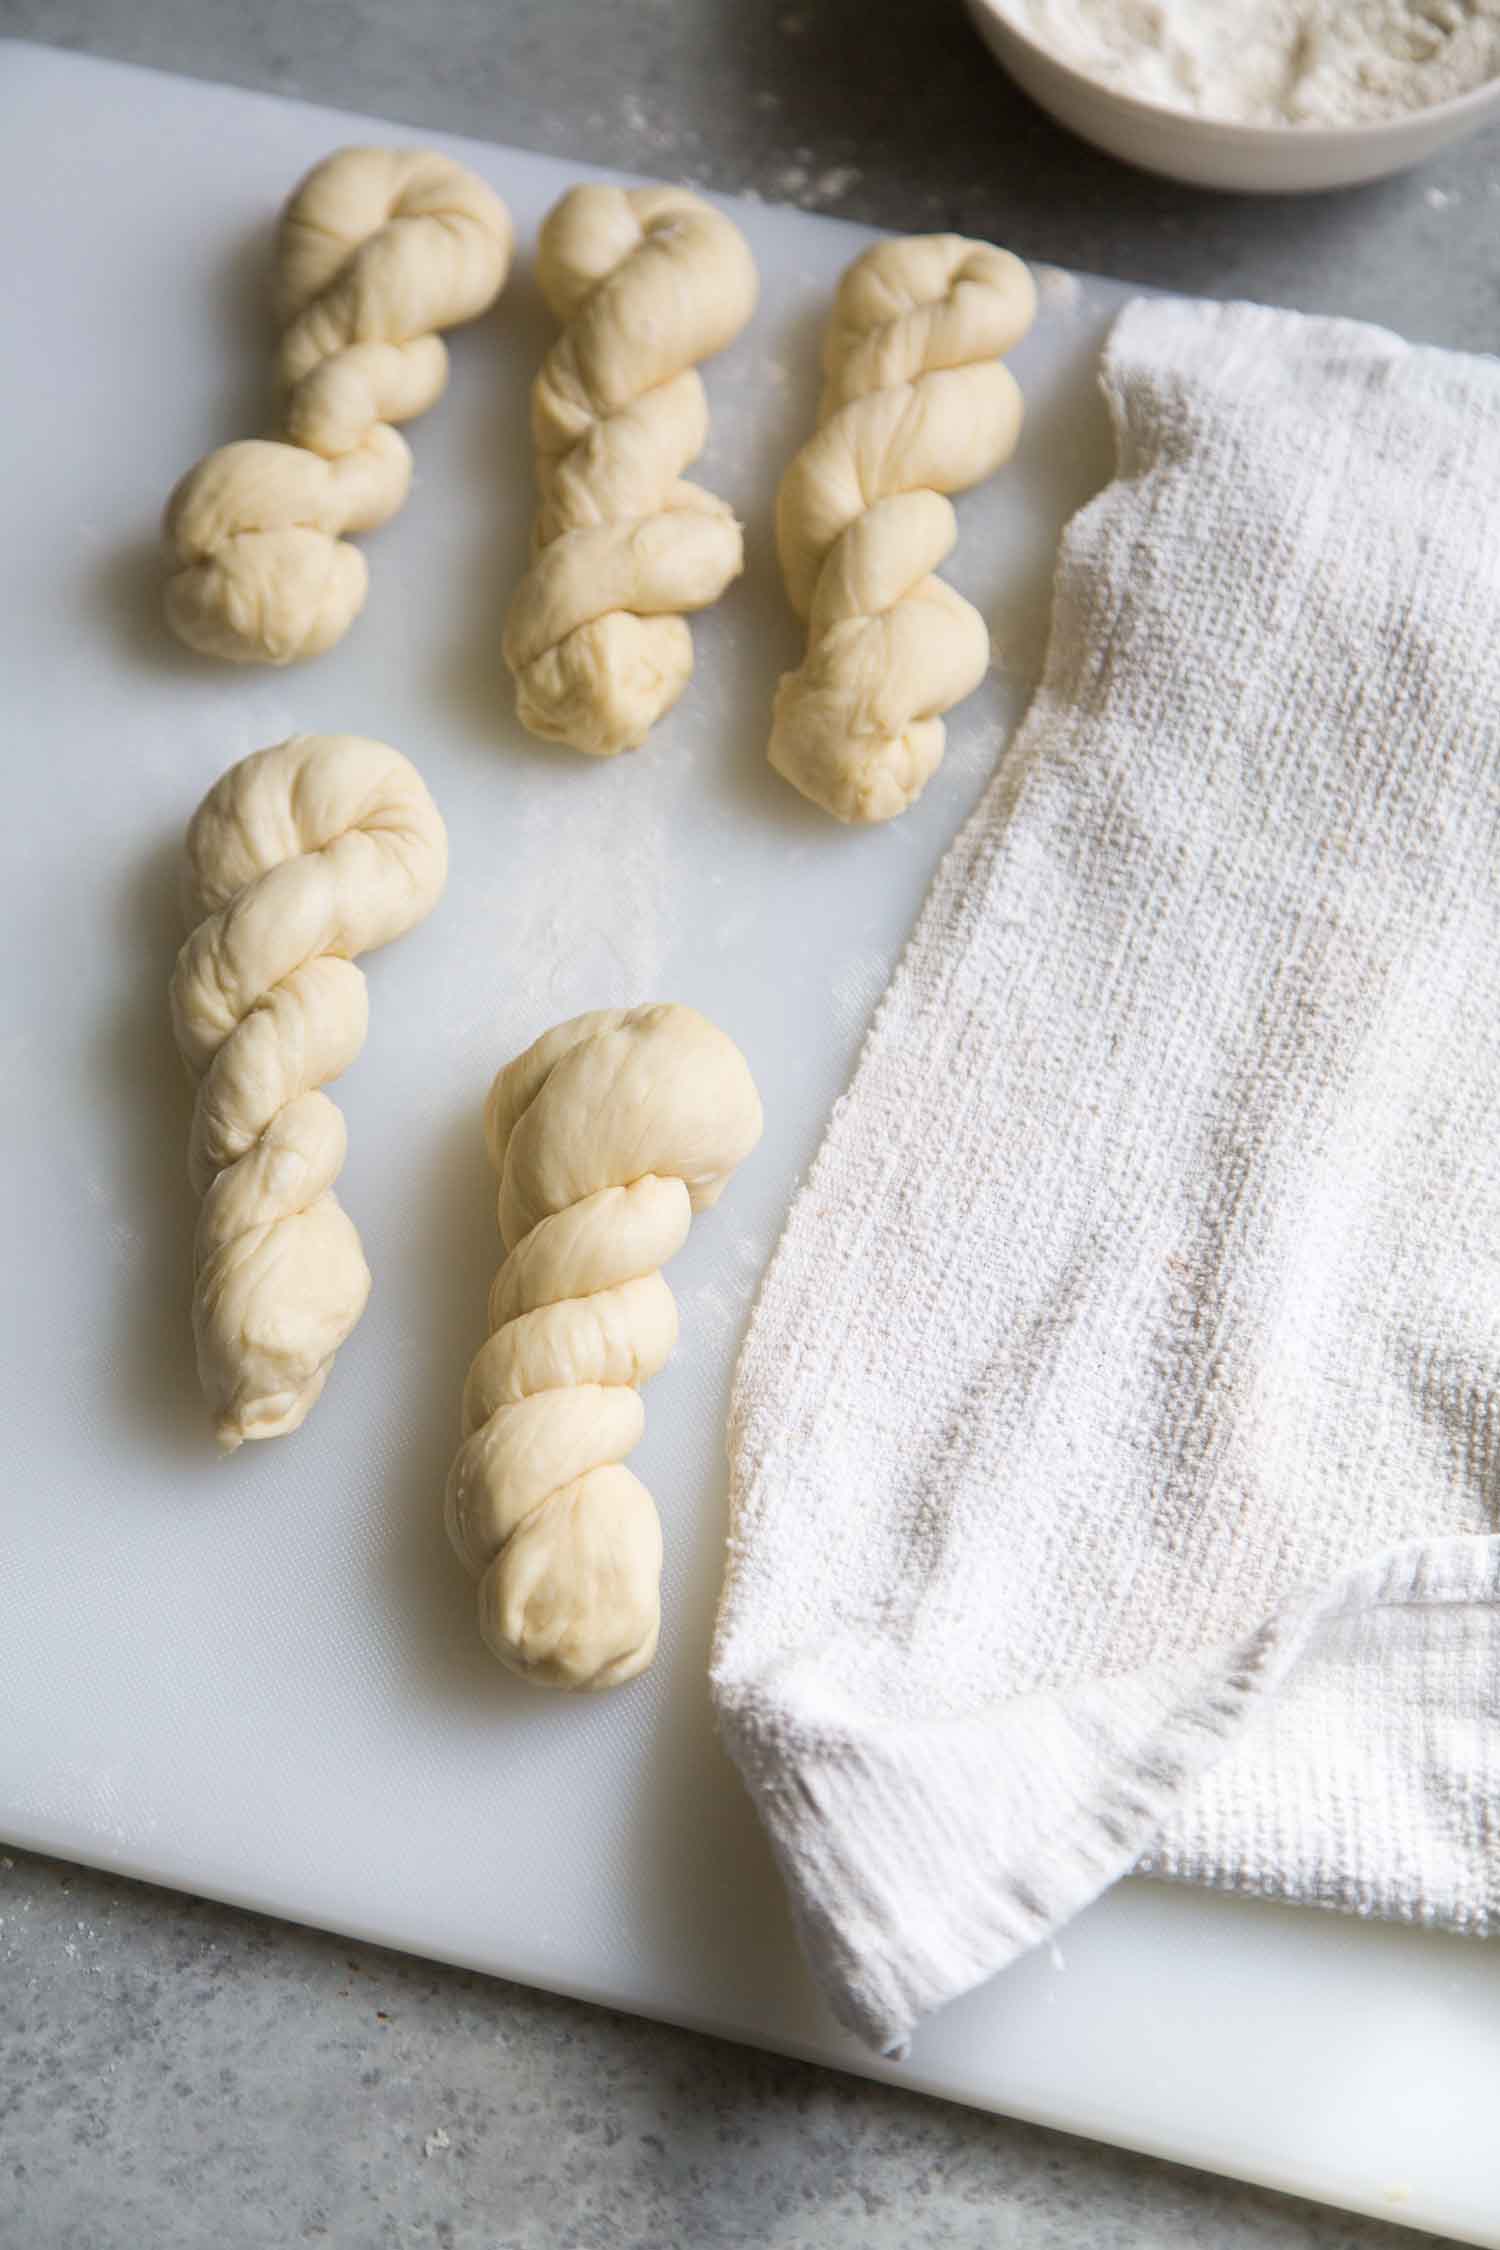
(377, 248)
(649, 280)
(915, 405)
(607, 1135)
(297, 859)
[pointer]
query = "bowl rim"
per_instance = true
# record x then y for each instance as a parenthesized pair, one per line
(1229, 132)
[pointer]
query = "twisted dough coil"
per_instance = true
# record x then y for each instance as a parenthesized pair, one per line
(377, 249)
(915, 406)
(607, 1135)
(297, 859)
(649, 281)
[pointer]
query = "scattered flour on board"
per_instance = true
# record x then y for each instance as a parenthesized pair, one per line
(1276, 62)
(975, 744)
(578, 912)
(751, 1252)
(1057, 290)
(716, 1310)
(708, 1317)
(856, 989)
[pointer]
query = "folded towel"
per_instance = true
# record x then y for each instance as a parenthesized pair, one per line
(1116, 1445)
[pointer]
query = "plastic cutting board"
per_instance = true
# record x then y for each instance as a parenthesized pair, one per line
(261, 1680)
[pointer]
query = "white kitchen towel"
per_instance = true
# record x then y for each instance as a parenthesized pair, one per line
(1116, 1445)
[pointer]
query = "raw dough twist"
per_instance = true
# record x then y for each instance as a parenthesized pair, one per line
(916, 405)
(297, 859)
(649, 280)
(377, 249)
(607, 1135)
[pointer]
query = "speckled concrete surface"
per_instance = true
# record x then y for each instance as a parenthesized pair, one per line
(173, 2074)
(878, 109)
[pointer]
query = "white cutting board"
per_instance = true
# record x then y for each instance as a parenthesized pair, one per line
(261, 1679)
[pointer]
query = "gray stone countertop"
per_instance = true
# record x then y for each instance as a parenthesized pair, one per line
(175, 2074)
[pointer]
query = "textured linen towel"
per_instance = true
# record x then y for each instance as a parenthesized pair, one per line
(1116, 1445)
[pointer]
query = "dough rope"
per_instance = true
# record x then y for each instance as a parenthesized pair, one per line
(377, 250)
(607, 1135)
(649, 281)
(298, 858)
(915, 406)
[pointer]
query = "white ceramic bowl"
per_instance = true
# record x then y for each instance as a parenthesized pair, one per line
(1255, 159)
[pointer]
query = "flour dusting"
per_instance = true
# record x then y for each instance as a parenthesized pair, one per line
(652, 133)
(577, 912)
(1276, 62)
(834, 184)
(1057, 290)
(855, 991)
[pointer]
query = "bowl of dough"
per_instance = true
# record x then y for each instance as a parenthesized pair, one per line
(1261, 96)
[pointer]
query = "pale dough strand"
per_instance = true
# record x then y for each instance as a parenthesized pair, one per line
(298, 858)
(607, 1135)
(915, 405)
(377, 250)
(649, 282)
